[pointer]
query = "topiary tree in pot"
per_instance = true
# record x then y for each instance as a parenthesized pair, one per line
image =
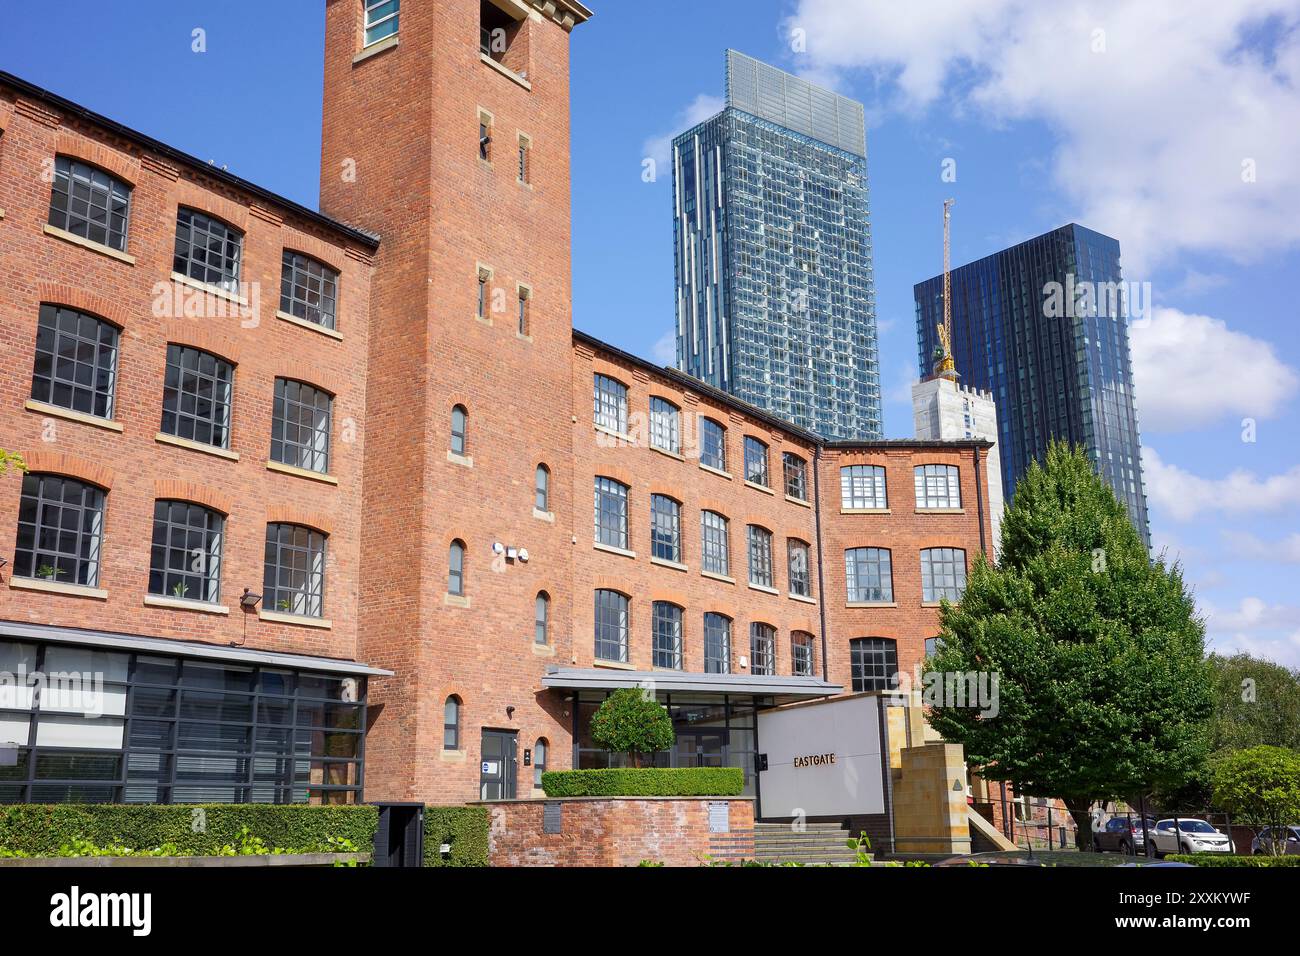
(630, 722)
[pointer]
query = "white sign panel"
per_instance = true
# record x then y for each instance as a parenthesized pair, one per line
(823, 759)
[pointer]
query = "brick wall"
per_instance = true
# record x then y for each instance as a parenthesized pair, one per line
(135, 292)
(673, 831)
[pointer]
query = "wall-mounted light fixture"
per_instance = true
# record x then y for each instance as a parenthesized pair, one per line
(248, 600)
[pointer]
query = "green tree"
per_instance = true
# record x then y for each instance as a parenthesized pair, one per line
(9, 459)
(630, 722)
(1255, 702)
(1103, 689)
(1260, 787)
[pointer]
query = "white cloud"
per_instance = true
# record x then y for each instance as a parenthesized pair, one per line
(664, 351)
(1243, 544)
(1153, 130)
(1183, 496)
(1265, 630)
(1175, 354)
(659, 148)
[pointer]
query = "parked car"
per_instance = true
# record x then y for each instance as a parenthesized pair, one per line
(1264, 843)
(1062, 858)
(1122, 835)
(1192, 836)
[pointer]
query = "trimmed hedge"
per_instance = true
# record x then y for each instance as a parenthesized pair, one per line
(464, 828)
(1223, 859)
(645, 782)
(41, 829)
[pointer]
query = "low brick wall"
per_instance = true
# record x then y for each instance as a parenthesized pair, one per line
(618, 831)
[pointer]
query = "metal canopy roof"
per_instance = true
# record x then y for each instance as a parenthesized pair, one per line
(599, 678)
(174, 648)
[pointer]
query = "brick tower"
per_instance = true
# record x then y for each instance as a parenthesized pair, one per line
(446, 131)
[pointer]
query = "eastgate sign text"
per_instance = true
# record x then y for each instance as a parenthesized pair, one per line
(814, 760)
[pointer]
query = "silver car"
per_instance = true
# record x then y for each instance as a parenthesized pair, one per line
(1264, 844)
(1192, 836)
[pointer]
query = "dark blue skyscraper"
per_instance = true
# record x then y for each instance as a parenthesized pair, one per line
(772, 243)
(1043, 326)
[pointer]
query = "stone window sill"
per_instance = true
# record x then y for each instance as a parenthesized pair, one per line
(715, 471)
(506, 72)
(666, 453)
(764, 588)
(803, 599)
(616, 665)
(757, 487)
(455, 600)
(464, 461)
(310, 326)
(665, 563)
(55, 587)
(610, 549)
(214, 290)
(67, 414)
(180, 604)
(713, 575)
(376, 48)
(164, 439)
(541, 515)
(861, 604)
(941, 511)
(301, 473)
(299, 620)
(98, 247)
(798, 501)
(865, 511)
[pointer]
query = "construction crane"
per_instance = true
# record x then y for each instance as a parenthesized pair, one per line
(944, 365)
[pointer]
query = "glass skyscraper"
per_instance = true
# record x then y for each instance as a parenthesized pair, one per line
(1043, 326)
(772, 248)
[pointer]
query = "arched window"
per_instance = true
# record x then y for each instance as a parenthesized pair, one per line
(542, 500)
(90, 203)
(185, 562)
(451, 723)
(665, 528)
(60, 529)
(665, 427)
(609, 404)
(667, 622)
(611, 626)
(801, 654)
(717, 643)
(713, 445)
(456, 568)
(611, 513)
(459, 421)
(293, 579)
(868, 576)
(76, 361)
(762, 649)
(943, 574)
(539, 760)
(937, 486)
(542, 616)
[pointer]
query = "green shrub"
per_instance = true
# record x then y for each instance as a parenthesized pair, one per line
(1224, 859)
(464, 828)
(46, 830)
(630, 722)
(645, 782)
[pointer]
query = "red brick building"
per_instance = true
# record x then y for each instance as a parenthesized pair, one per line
(381, 423)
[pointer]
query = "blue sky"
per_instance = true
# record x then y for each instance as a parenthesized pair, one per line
(1168, 125)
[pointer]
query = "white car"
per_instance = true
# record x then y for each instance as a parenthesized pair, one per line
(1192, 836)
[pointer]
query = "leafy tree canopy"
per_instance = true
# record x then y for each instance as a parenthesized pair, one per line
(1102, 684)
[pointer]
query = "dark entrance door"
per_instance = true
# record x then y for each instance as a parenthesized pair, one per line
(399, 836)
(498, 765)
(701, 748)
